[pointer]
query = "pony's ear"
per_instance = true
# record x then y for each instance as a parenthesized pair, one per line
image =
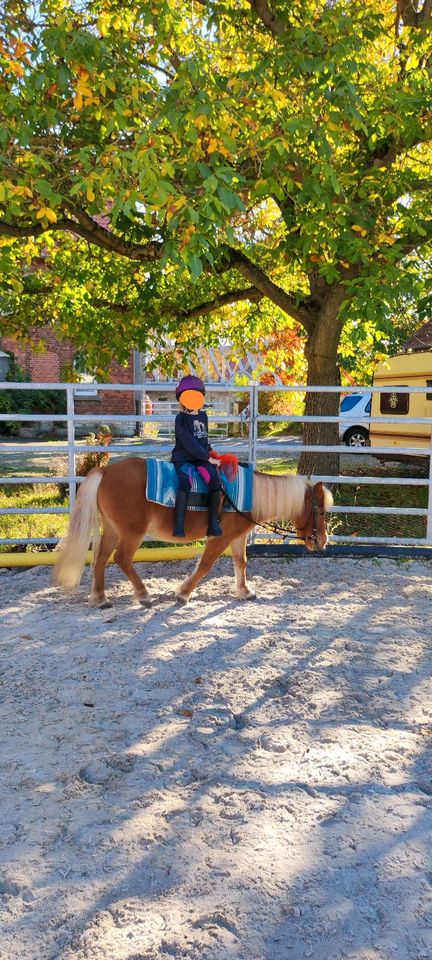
(319, 488)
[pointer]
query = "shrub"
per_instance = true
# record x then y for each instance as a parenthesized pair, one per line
(85, 461)
(27, 401)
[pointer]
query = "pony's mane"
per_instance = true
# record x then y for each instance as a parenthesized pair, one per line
(278, 497)
(281, 497)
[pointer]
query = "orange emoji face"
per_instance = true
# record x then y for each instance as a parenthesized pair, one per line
(192, 399)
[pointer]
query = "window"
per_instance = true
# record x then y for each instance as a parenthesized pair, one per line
(368, 407)
(429, 384)
(395, 403)
(349, 402)
(86, 379)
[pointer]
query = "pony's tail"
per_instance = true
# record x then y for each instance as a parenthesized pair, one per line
(83, 528)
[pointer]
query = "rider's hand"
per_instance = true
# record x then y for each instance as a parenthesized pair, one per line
(215, 462)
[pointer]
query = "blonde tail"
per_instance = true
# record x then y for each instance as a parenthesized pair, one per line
(83, 528)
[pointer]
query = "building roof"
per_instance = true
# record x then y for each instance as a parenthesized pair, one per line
(422, 340)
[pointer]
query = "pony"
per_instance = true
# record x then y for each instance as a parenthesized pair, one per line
(116, 496)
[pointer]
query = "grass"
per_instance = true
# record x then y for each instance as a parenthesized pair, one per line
(371, 495)
(27, 525)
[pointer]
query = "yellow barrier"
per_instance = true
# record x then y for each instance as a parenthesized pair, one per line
(143, 554)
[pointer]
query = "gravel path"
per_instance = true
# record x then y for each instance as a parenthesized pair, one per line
(222, 782)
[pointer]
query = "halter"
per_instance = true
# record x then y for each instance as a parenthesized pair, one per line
(279, 530)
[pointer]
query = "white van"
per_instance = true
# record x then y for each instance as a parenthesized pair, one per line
(354, 428)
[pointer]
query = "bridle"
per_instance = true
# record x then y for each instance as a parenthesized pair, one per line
(277, 528)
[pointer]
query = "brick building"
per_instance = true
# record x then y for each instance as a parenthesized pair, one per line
(48, 365)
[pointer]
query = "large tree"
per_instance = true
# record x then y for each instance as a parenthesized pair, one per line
(164, 160)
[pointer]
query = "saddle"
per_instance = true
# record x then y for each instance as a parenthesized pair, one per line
(162, 486)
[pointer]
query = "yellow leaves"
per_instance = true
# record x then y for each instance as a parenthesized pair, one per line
(103, 24)
(413, 62)
(213, 145)
(200, 121)
(235, 85)
(15, 68)
(21, 191)
(280, 99)
(84, 96)
(187, 236)
(218, 146)
(45, 213)
(90, 194)
(387, 238)
(358, 229)
(7, 188)
(113, 21)
(332, 126)
(174, 208)
(20, 47)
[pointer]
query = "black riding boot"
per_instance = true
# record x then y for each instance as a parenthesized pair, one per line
(214, 529)
(180, 510)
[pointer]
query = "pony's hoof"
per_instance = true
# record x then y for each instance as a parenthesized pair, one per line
(182, 601)
(105, 605)
(146, 602)
(251, 595)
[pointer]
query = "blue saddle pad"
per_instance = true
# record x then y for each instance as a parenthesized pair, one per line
(162, 486)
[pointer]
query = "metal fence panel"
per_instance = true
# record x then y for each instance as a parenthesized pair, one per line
(250, 419)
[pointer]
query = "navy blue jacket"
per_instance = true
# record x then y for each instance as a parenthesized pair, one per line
(191, 434)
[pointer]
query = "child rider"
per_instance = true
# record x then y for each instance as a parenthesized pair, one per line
(192, 448)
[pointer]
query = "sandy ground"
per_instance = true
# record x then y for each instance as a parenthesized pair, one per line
(222, 782)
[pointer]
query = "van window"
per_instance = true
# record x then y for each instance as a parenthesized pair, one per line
(429, 384)
(368, 407)
(395, 403)
(349, 402)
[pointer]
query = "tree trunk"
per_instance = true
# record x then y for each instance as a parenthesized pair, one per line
(323, 370)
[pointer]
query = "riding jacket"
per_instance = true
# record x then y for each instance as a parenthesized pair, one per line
(191, 435)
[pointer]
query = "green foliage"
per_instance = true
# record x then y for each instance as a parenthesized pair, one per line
(143, 147)
(27, 401)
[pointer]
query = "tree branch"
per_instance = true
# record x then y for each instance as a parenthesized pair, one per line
(262, 9)
(286, 301)
(104, 238)
(233, 296)
(115, 307)
(412, 241)
(411, 16)
(87, 228)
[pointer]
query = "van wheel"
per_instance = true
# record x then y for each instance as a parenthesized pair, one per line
(356, 437)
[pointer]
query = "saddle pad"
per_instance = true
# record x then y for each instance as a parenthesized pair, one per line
(162, 486)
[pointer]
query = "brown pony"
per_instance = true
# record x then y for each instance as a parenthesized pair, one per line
(117, 495)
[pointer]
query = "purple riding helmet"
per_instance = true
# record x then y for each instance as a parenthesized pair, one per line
(189, 383)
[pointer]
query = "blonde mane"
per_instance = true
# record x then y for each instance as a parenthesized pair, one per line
(278, 497)
(282, 497)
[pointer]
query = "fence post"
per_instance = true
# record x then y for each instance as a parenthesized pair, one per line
(253, 423)
(70, 410)
(429, 506)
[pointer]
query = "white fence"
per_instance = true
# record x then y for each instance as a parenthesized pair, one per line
(73, 447)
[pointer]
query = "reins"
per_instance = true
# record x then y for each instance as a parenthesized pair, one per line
(276, 528)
